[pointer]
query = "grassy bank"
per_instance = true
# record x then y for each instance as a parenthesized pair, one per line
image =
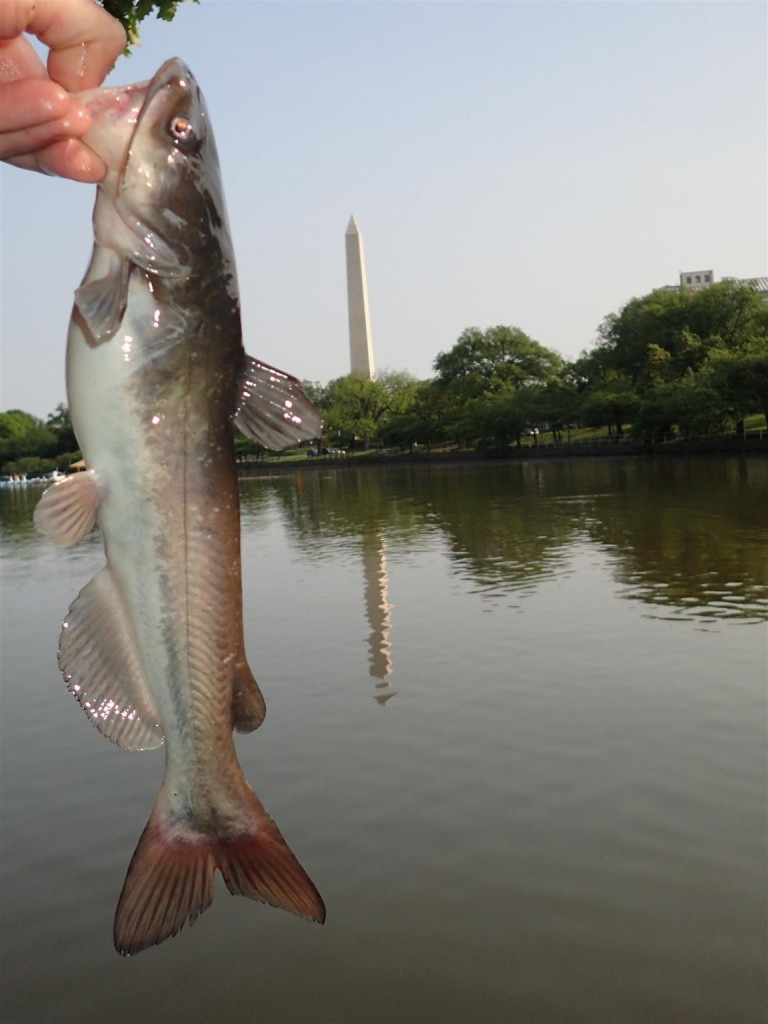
(583, 448)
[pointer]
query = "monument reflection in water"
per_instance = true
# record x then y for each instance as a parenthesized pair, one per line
(378, 610)
(685, 536)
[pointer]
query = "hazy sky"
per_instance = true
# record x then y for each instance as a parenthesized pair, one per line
(531, 164)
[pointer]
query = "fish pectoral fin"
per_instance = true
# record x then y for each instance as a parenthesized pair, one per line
(97, 655)
(170, 877)
(67, 509)
(248, 707)
(102, 302)
(273, 408)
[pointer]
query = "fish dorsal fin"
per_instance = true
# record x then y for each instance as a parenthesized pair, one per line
(248, 707)
(101, 668)
(67, 510)
(102, 302)
(273, 407)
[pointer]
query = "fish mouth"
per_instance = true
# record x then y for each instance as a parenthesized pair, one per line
(117, 114)
(114, 112)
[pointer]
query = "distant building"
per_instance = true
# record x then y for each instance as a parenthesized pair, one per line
(757, 284)
(697, 278)
(693, 280)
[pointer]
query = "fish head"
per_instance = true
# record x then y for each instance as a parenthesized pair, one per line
(162, 200)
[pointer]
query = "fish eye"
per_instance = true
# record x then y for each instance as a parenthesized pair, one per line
(182, 131)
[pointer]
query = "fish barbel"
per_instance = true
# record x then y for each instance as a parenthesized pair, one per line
(152, 647)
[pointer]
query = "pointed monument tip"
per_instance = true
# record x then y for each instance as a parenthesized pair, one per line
(351, 227)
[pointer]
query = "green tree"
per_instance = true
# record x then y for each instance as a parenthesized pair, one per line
(626, 337)
(550, 407)
(500, 419)
(22, 434)
(245, 447)
(661, 336)
(486, 362)
(355, 410)
(689, 406)
(740, 377)
(611, 404)
(423, 421)
(60, 423)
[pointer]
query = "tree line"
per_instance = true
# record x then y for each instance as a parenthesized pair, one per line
(673, 363)
(33, 446)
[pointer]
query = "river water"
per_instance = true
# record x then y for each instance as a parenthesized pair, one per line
(516, 734)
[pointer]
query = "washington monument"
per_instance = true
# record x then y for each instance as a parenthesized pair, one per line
(360, 347)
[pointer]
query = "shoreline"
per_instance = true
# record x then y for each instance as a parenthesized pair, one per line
(666, 450)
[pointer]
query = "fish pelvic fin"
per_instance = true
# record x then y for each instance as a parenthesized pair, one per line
(67, 509)
(170, 877)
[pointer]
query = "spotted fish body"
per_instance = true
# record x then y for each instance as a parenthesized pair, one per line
(153, 646)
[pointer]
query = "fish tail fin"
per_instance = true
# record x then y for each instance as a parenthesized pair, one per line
(169, 880)
(170, 877)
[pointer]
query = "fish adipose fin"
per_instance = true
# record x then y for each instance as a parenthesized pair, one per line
(274, 409)
(102, 302)
(67, 510)
(248, 707)
(98, 658)
(170, 877)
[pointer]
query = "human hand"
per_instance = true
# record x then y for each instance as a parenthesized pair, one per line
(40, 122)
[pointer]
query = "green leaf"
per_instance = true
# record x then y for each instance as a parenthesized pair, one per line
(131, 12)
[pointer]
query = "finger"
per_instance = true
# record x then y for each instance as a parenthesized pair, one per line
(29, 103)
(83, 39)
(15, 15)
(67, 158)
(75, 123)
(18, 60)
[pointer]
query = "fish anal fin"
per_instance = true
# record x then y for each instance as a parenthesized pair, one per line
(170, 877)
(273, 408)
(67, 509)
(97, 655)
(248, 707)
